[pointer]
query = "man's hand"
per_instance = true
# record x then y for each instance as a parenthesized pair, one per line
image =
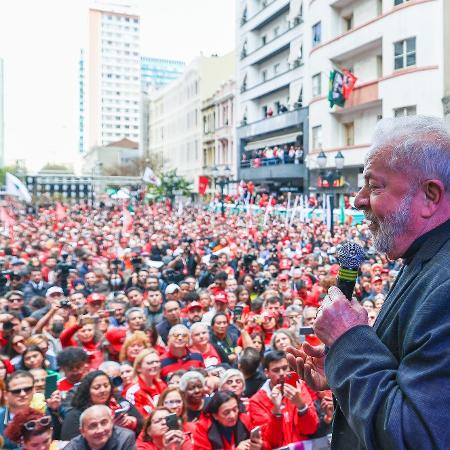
(54, 402)
(309, 362)
(294, 395)
(173, 438)
(125, 421)
(337, 315)
(277, 397)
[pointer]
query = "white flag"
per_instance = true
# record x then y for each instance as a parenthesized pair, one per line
(16, 188)
(150, 177)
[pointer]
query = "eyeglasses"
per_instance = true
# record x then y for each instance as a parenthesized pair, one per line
(18, 391)
(173, 402)
(15, 300)
(180, 335)
(43, 422)
(20, 341)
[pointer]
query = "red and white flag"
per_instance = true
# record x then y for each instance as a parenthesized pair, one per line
(8, 222)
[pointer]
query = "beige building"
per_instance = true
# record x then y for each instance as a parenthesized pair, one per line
(176, 127)
(112, 77)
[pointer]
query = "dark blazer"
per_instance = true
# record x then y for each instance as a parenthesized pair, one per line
(392, 382)
(121, 439)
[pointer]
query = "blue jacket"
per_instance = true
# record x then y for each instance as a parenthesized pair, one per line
(392, 382)
(4, 420)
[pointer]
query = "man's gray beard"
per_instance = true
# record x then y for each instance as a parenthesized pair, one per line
(392, 226)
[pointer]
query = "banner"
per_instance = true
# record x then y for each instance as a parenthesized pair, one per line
(202, 184)
(150, 177)
(335, 89)
(60, 212)
(127, 221)
(349, 83)
(16, 188)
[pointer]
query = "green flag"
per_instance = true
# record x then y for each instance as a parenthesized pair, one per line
(335, 89)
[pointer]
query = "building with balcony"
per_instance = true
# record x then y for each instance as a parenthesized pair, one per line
(176, 124)
(2, 117)
(396, 50)
(272, 121)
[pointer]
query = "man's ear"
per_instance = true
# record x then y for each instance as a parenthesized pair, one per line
(433, 191)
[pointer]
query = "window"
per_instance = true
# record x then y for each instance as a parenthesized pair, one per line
(348, 22)
(317, 85)
(264, 75)
(399, 2)
(264, 111)
(263, 40)
(276, 31)
(276, 68)
(405, 111)
(405, 53)
(317, 137)
(316, 34)
(349, 134)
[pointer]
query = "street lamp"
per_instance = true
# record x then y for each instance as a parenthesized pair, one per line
(330, 176)
(96, 170)
(221, 178)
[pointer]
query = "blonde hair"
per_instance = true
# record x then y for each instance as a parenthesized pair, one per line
(36, 339)
(139, 358)
(137, 336)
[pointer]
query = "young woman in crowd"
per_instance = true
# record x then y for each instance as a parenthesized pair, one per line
(96, 389)
(282, 339)
(156, 435)
(144, 394)
(172, 399)
(128, 377)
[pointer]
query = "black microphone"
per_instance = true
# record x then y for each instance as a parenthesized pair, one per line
(350, 257)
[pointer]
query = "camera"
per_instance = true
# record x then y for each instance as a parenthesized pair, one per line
(248, 259)
(65, 303)
(260, 285)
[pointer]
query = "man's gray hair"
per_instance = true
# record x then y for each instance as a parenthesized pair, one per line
(196, 325)
(133, 310)
(293, 309)
(95, 410)
(418, 146)
(188, 377)
(310, 310)
(228, 374)
(179, 329)
(109, 365)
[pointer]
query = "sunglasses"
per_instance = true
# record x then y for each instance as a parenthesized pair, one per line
(18, 391)
(15, 300)
(43, 422)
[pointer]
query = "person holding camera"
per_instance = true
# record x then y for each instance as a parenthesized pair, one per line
(161, 433)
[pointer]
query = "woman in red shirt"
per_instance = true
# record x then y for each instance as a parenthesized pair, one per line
(145, 393)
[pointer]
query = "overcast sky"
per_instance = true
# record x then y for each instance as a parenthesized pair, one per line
(40, 42)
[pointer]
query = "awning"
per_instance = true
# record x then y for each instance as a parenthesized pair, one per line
(294, 10)
(294, 92)
(273, 141)
(295, 51)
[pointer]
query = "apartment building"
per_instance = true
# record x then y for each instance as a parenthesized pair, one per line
(2, 117)
(399, 51)
(272, 119)
(176, 127)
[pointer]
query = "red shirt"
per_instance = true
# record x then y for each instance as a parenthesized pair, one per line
(145, 397)
(211, 357)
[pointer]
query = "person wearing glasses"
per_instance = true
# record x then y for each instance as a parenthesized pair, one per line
(178, 355)
(16, 303)
(172, 399)
(19, 394)
(30, 430)
(144, 394)
(156, 435)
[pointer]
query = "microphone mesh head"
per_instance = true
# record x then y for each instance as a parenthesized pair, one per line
(350, 255)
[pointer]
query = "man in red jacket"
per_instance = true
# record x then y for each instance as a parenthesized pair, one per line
(292, 406)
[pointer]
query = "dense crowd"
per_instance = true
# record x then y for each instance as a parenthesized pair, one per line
(167, 333)
(286, 154)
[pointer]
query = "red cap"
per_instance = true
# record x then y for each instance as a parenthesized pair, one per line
(285, 264)
(92, 298)
(221, 297)
(377, 280)
(193, 305)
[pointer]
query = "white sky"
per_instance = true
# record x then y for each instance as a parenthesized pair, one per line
(40, 42)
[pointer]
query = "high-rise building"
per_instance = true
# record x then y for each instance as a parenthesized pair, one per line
(272, 131)
(82, 96)
(176, 117)
(396, 49)
(2, 116)
(112, 76)
(157, 72)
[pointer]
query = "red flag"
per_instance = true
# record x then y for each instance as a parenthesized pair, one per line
(349, 83)
(60, 212)
(127, 223)
(202, 184)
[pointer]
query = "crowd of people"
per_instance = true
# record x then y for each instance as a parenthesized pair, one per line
(171, 334)
(286, 154)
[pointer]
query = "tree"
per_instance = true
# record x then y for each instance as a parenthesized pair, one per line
(136, 167)
(56, 167)
(171, 185)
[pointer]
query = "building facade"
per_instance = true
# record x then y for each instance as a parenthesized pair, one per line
(112, 77)
(396, 50)
(176, 128)
(157, 72)
(2, 116)
(272, 133)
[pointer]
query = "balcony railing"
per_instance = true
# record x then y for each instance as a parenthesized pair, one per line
(362, 97)
(269, 10)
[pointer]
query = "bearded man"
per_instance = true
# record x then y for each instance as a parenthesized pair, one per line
(391, 381)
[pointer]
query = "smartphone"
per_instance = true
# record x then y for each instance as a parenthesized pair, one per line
(238, 309)
(51, 384)
(304, 331)
(255, 434)
(292, 378)
(120, 412)
(172, 422)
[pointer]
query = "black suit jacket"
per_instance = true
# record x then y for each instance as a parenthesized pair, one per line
(392, 382)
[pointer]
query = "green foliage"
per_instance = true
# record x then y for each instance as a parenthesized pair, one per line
(171, 185)
(3, 170)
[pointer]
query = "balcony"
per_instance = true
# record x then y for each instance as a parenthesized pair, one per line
(272, 48)
(274, 84)
(275, 171)
(265, 15)
(362, 97)
(286, 121)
